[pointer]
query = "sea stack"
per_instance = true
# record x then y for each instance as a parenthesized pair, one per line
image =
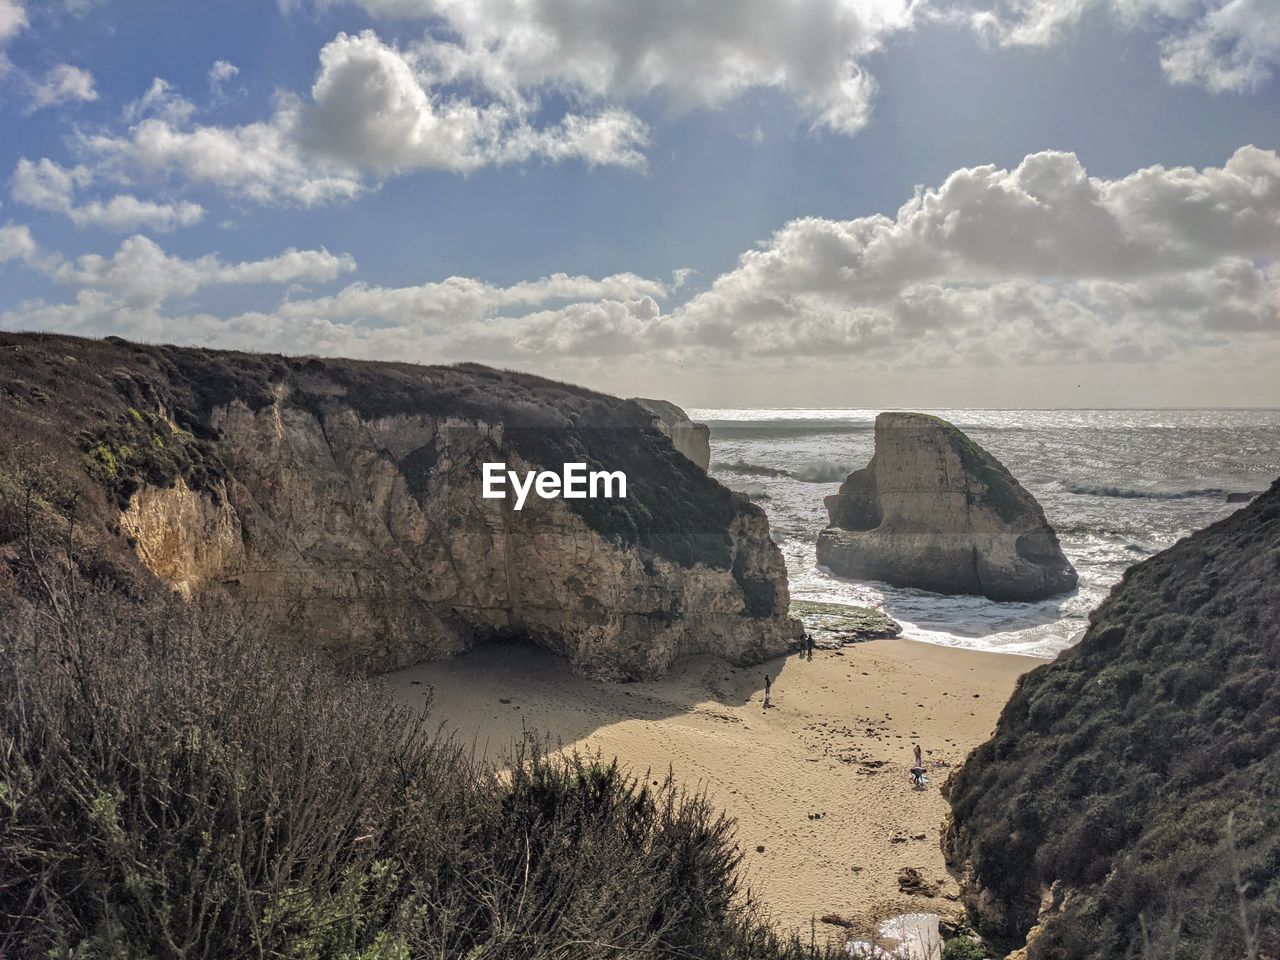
(934, 510)
(690, 438)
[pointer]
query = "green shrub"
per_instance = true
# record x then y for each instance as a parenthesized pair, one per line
(962, 948)
(173, 786)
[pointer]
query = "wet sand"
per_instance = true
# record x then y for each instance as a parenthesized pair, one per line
(820, 780)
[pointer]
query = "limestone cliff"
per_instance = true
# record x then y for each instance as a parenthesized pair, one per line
(934, 510)
(1128, 804)
(341, 501)
(691, 439)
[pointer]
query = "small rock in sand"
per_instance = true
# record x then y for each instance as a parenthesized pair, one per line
(910, 881)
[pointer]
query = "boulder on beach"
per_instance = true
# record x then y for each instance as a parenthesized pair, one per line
(934, 510)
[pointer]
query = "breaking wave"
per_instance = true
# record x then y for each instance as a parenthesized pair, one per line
(822, 471)
(750, 469)
(813, 471)
(1137, 493)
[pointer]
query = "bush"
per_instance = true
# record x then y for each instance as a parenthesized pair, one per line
(962, 948)
(174, 786)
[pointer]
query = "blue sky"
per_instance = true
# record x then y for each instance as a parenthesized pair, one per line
(694, 200)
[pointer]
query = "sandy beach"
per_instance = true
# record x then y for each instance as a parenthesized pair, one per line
(820, 780)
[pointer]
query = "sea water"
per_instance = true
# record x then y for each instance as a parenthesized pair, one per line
(1117, 485)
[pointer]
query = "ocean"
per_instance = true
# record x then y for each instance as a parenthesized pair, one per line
(1117, 485)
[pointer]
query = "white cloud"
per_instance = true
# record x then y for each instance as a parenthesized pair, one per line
(163, 101)
(141, 275)
(221, 72)
(257, 161)
(693, 54)
(1224, 45)
(45, 185)
(16, 242)
(371, 110)
(1038, 261)
(457, 302)
(1232, 47)
(13, 19)
(1023, 268)
(63, 84)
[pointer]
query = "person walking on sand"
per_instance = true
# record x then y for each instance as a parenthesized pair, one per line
(767, 687)
(808, 646)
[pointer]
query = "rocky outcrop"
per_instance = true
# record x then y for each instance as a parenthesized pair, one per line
(342, 503)
(1129, 802)
(934, 510)
(690, 438)
(832, 625)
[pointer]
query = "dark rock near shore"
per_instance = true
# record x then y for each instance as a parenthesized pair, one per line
(832, 625)
(1242, 497)
(934, 510)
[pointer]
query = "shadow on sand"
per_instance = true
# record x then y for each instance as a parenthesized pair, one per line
(491, 696)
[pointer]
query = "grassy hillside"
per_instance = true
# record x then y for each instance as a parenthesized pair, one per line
(1135, 781)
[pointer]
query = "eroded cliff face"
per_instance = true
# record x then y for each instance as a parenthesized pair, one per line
(342, 504)
(934, 510)
(689, 437)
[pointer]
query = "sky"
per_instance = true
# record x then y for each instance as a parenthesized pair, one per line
(814, 203)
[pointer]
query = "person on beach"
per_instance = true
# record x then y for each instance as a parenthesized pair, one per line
(808, 646)
(767, 687)
(917, 772)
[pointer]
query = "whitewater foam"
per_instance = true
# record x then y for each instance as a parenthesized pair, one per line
(1118, 486)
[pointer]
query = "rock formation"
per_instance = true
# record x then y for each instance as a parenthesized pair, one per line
(1128, 804)
(341, 501)
(691, 439)
(934, 510)
(832, 625)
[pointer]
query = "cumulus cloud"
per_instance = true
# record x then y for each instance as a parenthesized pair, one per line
(45, 185)
(1041, 260)
(1035, 265)
(13, 19)
(16, 243)
(141, 274)
(63, 84)
(371, 110)
(692, 54)
(256, 161)
(1231, 47)
(1224, 45)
